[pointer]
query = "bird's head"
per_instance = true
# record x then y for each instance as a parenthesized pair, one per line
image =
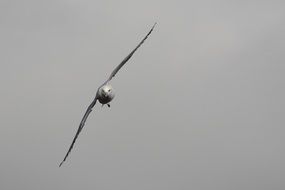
(106, 90)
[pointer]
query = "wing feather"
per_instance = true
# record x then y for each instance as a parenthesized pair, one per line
(81, 125)
(129, 56)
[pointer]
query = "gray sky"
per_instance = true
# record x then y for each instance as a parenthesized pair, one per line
(199, 106)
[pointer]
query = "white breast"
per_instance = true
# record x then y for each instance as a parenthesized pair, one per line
(106, 94)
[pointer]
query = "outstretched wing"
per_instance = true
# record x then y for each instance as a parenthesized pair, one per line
(88, 111)
(129, 56)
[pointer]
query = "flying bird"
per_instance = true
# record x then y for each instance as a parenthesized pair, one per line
(105, 94)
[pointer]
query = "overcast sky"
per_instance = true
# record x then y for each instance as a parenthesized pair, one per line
(199, 106)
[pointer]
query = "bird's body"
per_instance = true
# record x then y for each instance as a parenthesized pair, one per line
(104, 95)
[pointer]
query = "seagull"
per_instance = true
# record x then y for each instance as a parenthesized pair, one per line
(105, 94)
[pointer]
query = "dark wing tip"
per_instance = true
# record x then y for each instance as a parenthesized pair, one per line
(153, 26)
(66, 156)
(62, 162)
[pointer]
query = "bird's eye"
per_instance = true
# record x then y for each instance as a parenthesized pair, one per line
(109, 90)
